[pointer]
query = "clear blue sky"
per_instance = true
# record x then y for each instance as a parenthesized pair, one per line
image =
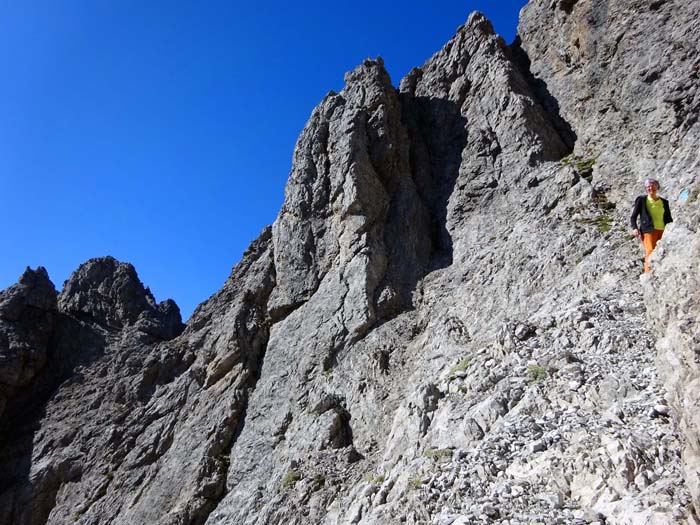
(161, 132)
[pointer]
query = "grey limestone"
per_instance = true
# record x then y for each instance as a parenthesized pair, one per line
(446, 323)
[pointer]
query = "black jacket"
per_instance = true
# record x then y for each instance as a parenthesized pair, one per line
(646, 223)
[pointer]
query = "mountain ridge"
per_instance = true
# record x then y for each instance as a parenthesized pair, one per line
(443, 325)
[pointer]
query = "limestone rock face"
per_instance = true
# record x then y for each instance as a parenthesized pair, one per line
(624, 76)
(445, 324)
(352, 207)
(476, 129)
(672, 295)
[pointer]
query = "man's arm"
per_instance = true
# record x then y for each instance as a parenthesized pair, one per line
(636, 210)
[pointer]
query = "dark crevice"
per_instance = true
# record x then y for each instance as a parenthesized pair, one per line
(419, 177)
(567, 5)
(438, 135)
(222, 456)
(543, 96)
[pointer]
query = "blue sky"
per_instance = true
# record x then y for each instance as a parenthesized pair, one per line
(162, 132)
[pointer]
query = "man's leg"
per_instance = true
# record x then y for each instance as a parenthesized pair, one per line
(650, 240)
(649, 243)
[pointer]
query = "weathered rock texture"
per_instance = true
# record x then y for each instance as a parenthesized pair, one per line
(28, 314)
(445, 324)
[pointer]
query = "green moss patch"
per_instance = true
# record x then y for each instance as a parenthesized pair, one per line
(536, 373)
(290, 479)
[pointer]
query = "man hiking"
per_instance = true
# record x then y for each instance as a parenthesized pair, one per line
(654, 214)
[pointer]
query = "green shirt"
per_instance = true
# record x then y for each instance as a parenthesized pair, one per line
(656, 210)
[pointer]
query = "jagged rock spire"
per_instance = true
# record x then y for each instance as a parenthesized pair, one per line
(110, 292)
(432, 324)
(34, 290)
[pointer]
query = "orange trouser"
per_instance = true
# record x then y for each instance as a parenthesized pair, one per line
(650, 240)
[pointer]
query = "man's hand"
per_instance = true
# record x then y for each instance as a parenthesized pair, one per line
(635, 232)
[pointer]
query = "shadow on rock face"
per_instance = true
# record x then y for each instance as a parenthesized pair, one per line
(28, 494)
(438, 133)
(56, 356)
(545, 98)
(436, 137)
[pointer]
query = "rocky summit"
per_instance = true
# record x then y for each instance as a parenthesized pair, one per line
(447, 323)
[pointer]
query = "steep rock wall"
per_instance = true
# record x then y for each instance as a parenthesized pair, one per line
(625, 74)
(444, 324)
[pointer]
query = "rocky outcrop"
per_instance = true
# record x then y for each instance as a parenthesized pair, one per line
(28, 314)
(672, 296)
(73, 365)
(109, 292)
(445, 323)
(624, 75)
(474, 124)
(349, 202)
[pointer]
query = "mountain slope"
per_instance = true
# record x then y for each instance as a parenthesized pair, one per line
(445, 324)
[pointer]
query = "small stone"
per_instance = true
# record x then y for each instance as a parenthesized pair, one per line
(523, 331)
(490, 511)
(537, 446)
(661, 410)
(574, 385)
(554, 499)
(370, 490)
(517, 490)
(455, 387)
(641, 481)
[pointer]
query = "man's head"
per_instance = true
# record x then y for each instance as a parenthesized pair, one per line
(652, 186)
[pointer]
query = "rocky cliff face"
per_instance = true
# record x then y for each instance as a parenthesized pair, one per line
(445, 324)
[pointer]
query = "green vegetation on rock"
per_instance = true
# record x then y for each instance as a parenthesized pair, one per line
(602, 222)
(438, 453)
(461, 366)
(290, 479)
(583, 166)
(370, 477)
(536, 373)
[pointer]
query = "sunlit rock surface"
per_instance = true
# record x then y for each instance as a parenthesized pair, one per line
(446, 323)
